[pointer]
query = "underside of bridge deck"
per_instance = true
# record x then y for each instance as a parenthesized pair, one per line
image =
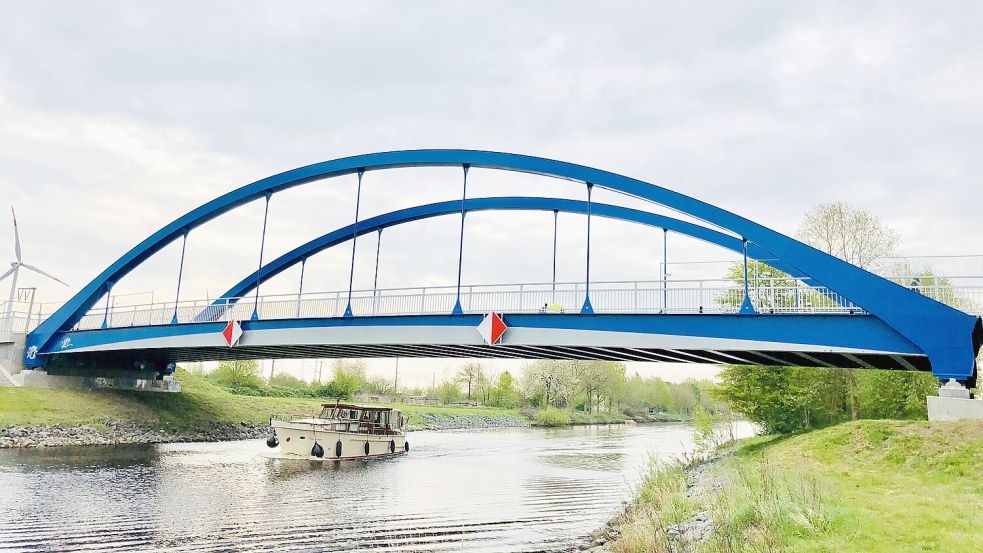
(778, 340)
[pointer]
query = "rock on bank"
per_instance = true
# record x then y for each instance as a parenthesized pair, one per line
(437, 421)
(114, 432)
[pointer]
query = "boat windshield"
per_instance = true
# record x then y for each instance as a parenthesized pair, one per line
(343, 413)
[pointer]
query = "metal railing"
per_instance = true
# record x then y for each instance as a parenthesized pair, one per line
(703, 296)
(16, 322)
(707, 295)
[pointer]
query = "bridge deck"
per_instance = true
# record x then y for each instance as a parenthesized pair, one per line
(830, 340)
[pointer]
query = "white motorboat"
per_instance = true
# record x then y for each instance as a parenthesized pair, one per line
(341, 431)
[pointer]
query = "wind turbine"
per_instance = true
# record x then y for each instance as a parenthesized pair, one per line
(14, 270)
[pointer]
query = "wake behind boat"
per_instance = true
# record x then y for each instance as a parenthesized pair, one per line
(341, 431)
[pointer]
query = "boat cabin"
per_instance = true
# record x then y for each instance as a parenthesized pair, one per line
(363, 419)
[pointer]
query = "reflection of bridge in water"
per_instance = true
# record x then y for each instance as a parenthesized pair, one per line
(826, 313)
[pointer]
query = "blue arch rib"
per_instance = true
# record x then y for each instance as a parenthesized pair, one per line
(944, 334)
(509, 203)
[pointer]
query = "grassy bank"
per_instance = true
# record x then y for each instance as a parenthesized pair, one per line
(861, 486)
(200, 403)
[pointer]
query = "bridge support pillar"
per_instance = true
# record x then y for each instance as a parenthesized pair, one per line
(954, 402)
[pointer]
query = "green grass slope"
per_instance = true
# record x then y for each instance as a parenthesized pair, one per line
(200, 402)
(872, 486)
(894, 486)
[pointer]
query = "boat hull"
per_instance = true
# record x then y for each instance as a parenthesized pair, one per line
(298, 439)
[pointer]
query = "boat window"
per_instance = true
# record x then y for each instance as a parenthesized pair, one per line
(348, 414)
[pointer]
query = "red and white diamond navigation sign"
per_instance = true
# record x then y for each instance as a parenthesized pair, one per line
(491, 328)
(232, 333)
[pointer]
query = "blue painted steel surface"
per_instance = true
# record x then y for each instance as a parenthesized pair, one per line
(944, 334)
(588, 309)
(838, 331)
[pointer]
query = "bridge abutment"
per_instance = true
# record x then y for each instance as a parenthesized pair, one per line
(11, 358)
(13, 373)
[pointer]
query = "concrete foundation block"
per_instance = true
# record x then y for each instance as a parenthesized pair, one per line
(954, 408)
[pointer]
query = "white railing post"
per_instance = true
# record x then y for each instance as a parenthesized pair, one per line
(701, 297)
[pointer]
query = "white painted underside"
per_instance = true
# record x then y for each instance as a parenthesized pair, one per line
(466, 336)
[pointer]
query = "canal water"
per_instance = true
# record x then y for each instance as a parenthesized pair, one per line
(479, 490)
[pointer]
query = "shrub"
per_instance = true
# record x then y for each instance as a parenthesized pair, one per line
(448, 392)
(285, 380)
(349, 375)
(245, 391)
(551, 416)
(331, 390)
(237, 374)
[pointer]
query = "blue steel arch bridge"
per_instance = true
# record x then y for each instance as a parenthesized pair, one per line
(828, 313)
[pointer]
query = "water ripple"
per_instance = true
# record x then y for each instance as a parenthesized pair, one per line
(493, 490)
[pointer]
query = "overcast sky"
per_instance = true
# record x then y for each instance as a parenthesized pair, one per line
(116, 118)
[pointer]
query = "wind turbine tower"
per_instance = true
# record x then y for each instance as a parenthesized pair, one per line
(14, 270)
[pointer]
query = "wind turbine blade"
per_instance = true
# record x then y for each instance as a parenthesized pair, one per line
(39, 271)
(16, 234)
(10, 272)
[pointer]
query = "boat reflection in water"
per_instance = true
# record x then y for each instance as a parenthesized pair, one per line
(341, 431)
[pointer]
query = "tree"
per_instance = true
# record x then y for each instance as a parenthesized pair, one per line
(611, 383)
(470, 374)
(378, 385)
(549, 382)
(894, 394)
(927, 282)
(348, 377)
(448, 392)
(504, 393)
(238, 373)
(784, 399)
(774, 289)
(589, 375)
(852, 234)
(483, 388)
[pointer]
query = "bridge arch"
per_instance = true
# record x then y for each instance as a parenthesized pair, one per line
(948, 337)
